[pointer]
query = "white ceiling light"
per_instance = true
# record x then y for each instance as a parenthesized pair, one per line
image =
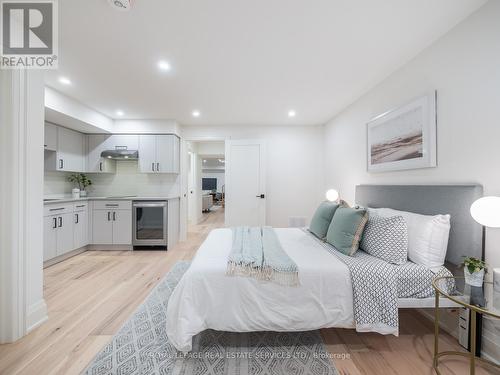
(292, 113)
(196, 113)
(119, 113)
(164, 65)
(64, 81)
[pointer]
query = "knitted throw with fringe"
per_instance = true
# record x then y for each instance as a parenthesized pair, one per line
(256, 252)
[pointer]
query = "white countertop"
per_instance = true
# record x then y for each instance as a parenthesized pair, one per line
(67, 199)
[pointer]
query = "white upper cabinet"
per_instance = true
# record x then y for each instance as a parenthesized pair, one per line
(159, 154)
(147, 153)
(122, 141)
(50, 137)
(70, 150)
(167, 153)
(69, 155)
(97, 143)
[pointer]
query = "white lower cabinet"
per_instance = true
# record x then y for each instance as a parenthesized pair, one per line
(58, 233)
(49, 237)
(65, 229)
(112, 223)
(81, 225)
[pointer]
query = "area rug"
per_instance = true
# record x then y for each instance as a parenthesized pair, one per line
(141, 346)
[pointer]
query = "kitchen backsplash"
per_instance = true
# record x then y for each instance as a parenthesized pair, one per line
(126, 181)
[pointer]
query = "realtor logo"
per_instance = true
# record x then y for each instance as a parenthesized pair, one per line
(28, 34)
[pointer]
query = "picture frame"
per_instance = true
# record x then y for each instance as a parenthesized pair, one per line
(404, 138)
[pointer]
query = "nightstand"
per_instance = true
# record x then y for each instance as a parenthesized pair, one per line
(471, 298)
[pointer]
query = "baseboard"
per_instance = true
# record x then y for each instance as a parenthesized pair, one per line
(36, 315)
(110, 247)
(60, 258)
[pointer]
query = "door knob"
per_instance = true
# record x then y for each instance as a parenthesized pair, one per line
(262, 196)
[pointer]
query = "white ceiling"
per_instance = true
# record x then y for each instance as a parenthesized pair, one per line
(241, 61)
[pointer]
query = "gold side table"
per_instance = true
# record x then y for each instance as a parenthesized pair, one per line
(463, 298)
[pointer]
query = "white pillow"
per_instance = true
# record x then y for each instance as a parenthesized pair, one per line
(427, 236)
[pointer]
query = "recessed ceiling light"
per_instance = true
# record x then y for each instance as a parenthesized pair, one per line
(64, 81)
(204, 161)
(196, 113)
(292, 113)
(119, 113)
(163, 65)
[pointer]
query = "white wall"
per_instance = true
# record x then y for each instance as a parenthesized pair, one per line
(295, 183)
(464, 68)
(126, 181)
(216, 148)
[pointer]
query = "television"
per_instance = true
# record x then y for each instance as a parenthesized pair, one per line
(209, 184)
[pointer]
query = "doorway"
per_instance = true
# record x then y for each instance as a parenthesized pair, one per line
(206, 181)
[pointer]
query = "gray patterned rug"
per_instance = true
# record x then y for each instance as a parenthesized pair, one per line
(142, 347)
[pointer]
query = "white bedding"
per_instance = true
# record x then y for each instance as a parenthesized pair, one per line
(207, 298)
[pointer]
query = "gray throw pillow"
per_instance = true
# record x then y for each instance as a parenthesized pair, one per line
(386, 238)
(346, 229)
(322, 219)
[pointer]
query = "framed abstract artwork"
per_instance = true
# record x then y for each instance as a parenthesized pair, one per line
(404, 138)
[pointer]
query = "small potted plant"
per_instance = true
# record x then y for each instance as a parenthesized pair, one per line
(474, 270)
(81, 181)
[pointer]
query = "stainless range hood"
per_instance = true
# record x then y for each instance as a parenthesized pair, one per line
(120, 153)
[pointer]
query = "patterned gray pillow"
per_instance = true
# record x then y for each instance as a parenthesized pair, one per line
(386, 238)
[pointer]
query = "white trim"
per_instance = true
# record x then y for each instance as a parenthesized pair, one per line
(37, 315)
(21, 207)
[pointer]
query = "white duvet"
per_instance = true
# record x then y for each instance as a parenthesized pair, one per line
(206, 298)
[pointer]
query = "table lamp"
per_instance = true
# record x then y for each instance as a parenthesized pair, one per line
(332, 195)
(486, 211)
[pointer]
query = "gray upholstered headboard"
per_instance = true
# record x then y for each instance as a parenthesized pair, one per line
(466, 236)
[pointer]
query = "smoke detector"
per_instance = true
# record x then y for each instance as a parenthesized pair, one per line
(122, 5)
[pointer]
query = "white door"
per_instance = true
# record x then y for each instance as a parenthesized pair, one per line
(245, 183)
(65, 233)
(122, 227)
(81, 229)
(102, 227)
(147, 153)
(49, 237)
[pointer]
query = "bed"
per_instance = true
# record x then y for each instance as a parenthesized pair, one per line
(206, 298)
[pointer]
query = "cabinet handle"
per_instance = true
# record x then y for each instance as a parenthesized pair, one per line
(61, 163)
(114, 216)
(56, 209)
(109, 216)
(77, 220)
(80, 206)
(100, 166)
(112, 205)
(60, 221)
(153, 167)
(157, 167)
(55, 223)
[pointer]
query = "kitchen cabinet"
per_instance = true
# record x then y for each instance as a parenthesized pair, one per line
(49, 237)
(159, 153)
(64, 234)
(58, 231)
(50, 137)
(81, 226)
(96, 144)
(69, 155)
(112, 223)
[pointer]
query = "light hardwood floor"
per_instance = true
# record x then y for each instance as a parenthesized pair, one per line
(92, 294)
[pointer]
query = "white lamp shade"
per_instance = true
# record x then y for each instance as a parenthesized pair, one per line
(486, 211)
(332, 195)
